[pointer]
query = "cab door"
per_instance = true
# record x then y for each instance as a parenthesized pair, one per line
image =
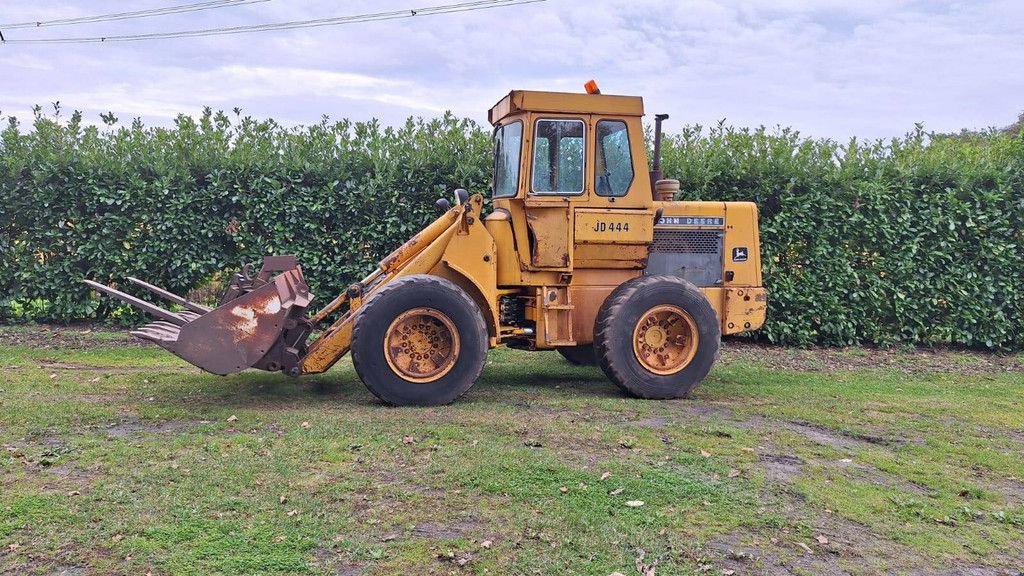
(615, 228)
(557, 182)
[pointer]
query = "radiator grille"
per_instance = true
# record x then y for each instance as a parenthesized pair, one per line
(687, 241)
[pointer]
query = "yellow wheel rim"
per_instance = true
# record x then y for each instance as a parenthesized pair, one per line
(665, 339)
(421, 345)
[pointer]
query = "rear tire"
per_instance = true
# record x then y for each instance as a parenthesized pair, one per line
(657, 337)
(419, 341)
(582, 355)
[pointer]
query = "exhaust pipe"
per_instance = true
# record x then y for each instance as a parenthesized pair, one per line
(656, 166)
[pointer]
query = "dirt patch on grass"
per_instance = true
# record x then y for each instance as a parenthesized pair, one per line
(749, 553)
(71, 337)
(135, 426)
(444, 531)
(843, 439)
(337, 562)
(780, 468)
(904, 360)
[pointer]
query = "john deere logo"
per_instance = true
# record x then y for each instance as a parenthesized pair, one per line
(739, 254)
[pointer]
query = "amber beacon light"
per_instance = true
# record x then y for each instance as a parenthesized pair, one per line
(591, 87)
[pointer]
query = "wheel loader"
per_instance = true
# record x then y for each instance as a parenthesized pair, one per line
(584, 251)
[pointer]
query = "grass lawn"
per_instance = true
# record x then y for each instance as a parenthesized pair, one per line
(118, 458)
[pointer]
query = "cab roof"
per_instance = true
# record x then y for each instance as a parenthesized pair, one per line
(565, 103)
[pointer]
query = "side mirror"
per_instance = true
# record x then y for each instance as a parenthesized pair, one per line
(442, 205)
(461, 196)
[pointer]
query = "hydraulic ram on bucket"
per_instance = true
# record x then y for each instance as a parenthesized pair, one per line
(244, 331)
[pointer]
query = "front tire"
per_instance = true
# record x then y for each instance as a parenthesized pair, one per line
(419, 341)
(657, 337)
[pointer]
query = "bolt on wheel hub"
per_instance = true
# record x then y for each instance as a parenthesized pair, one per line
(421, 345)
(665, 339)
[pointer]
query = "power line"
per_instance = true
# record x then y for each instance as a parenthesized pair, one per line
(166, 10)
(335, 21)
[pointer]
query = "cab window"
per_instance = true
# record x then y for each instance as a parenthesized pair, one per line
(558, 151)
(614, 161)
(508, 143)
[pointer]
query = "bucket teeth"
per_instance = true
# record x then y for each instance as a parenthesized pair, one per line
(158, 332)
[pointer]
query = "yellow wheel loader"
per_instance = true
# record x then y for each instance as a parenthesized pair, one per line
(584, 252)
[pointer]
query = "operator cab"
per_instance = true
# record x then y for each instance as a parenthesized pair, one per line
(587, 149)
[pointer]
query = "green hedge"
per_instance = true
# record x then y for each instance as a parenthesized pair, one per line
(180, 205)
(916, 240)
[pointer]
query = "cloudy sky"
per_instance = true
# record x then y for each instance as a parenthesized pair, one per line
(834, 68)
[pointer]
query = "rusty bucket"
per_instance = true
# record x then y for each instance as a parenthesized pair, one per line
(259, 323)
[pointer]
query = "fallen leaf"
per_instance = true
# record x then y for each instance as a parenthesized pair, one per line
(705, 453)
(13, 547)
(634, 503)
(747, 449)
(283, 499)
(805, 547)
(94, 380)
(408, 440)
(531, 443)
(822, 539)
(118, 537)
(232, 418)
(638, 563)
(389, 538)
(617, 491)
(727, 572)
(53, 375)
(293, 512)
(74, 493)
(734, 473)
(563, 489)
(486, 544)
(846, 460)
(280, 538)
(474, 442)
(305, 425)
(605, 475)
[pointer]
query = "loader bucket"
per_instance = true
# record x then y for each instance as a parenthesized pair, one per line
(235, 335)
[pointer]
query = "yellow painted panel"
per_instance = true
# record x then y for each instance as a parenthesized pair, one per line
(742, 244)
(568, 102)
(745, 309)
(610, 226)
(738, 309)
(606, 256)
(549, 242)
(499, 225)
